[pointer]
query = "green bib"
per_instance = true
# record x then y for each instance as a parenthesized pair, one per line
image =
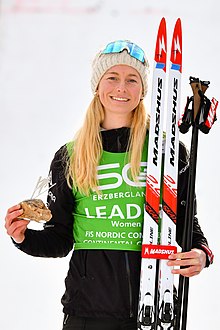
(112, 219)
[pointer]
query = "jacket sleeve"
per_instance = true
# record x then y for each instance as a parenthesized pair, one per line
(56, 239)
(198, 239)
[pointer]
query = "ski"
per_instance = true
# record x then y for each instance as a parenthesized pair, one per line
(156, 306)
(166, 315)
(147, 310)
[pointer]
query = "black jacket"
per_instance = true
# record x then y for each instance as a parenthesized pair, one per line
(99, 283)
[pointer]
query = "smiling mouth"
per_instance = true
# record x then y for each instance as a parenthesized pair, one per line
(120, 99)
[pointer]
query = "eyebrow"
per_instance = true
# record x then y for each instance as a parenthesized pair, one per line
(130, 74)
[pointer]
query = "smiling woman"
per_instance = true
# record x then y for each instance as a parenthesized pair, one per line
(120, 91)
(97, 200)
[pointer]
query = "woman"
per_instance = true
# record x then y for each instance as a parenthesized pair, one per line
(97, 200)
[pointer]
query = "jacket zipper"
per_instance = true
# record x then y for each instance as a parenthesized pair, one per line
(118, 144)
(66, 316)
(129, 284)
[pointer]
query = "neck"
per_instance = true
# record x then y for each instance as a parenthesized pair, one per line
(111, 122)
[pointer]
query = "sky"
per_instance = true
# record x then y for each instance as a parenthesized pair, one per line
(46, 51)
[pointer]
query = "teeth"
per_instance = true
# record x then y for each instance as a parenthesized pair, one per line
(119, 98)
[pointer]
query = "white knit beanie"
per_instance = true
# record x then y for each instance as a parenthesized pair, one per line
(103, 62)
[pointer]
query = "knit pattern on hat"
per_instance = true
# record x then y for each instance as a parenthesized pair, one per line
(103, 62)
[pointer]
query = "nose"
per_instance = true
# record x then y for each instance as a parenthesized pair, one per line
(121, 87)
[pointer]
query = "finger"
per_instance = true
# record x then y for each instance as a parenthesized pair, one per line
(184, 262)
(182, 255)
(16, 227)
(14, 208)
(187, 272)
(11, 216)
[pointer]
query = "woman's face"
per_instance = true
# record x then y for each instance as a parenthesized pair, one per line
(120, 91)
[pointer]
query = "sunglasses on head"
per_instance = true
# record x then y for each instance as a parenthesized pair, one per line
(120, 45)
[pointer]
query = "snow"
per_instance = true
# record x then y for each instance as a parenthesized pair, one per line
(46, 50)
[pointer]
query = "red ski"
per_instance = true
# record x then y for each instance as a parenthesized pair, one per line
(156, 282)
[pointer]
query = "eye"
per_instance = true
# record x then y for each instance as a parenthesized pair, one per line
(132, 81)
(112, 78)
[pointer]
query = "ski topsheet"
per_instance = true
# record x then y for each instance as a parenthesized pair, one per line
(170, 177)
(156, 280)
(147, 297)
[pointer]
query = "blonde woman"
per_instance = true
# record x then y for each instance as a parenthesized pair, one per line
(98, 197)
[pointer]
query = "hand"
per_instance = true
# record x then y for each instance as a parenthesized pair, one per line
(193, 262)
(15, 227)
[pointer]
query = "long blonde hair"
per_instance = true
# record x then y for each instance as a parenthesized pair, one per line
(81, 170)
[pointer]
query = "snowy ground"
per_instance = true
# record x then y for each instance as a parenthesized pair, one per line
(46, 49)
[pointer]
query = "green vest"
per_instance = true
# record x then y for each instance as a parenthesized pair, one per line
(112, 219)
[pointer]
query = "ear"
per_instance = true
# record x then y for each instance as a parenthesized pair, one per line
(142, 95)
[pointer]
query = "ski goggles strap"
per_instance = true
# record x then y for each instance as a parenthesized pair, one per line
(120, 45)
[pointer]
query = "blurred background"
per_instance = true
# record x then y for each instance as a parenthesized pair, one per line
(46, 51)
